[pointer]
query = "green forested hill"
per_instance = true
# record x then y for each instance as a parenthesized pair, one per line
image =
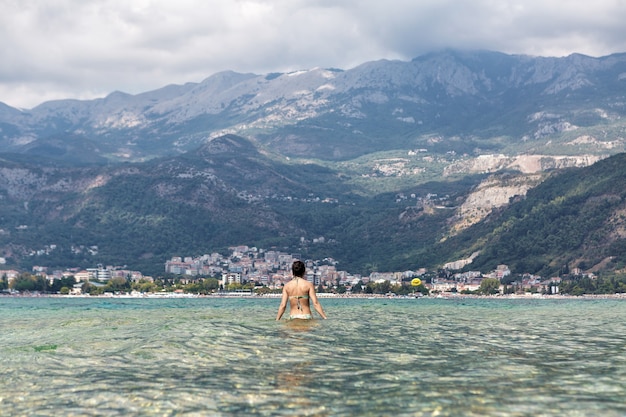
(222, 194)
(228, 193)
(575, 219)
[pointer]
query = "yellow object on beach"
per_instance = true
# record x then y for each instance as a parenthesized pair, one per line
(416, 282)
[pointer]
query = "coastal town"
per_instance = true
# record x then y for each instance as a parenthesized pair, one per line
(272, 269)
(253, 268)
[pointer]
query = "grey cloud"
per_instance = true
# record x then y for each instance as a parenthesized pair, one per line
(82, 48)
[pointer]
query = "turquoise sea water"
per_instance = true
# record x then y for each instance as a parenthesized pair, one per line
(381, 357)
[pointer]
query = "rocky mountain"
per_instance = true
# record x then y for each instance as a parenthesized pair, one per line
(450, 101)
(390, 165)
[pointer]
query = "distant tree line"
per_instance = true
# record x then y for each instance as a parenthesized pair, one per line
(579, 285)
(27, 283)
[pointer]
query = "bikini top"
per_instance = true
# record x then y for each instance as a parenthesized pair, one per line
(299, 297)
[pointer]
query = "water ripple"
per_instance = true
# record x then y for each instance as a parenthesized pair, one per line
(371, 358)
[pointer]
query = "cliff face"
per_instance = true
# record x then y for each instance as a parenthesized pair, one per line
(495, 191)
(498, 189)
(527, 164)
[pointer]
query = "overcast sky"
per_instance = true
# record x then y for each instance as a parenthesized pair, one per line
(51, 49)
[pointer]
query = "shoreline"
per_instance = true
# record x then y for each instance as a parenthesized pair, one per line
(446, 296)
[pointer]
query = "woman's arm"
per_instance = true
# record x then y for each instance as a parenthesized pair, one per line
(316, 303)
(283, 305)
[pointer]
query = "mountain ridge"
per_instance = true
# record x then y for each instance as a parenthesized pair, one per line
(386, 165)
(379, 105)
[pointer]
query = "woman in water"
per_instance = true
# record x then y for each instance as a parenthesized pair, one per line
(299, 293)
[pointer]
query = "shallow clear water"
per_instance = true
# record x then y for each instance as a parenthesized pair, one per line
(382, 357)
